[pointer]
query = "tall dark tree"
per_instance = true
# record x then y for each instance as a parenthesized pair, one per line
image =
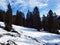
(36, 19)
(14, 18)
(24, 20)
(2, 15)
(52, 22)
(29, 19)
(58, 22)
(44, 22)
(8, 19)
(19, 18)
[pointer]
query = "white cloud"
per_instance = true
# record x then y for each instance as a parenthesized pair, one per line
(3, 4)
(30, 3)
(44, 1)
(58, 9)
(23, 3)
(36, 3)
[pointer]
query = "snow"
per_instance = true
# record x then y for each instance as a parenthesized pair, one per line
(2, 24)
(28, 36)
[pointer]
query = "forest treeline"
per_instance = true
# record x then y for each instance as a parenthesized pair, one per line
(50, 23)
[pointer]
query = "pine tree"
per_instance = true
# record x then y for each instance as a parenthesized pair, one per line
(36, 19)
(14, 18)
(8, 19)
(19, 18)
(2, 14)
(58, 22)
(24, 20)
(44, 22)
(52, 22)
(29, 19)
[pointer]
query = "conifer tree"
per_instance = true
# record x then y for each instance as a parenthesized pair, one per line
(58, 22)
(29, 19)
(52, 22)
(24, 20)
(2, 15)
(36, 19)
(44, 23)
(14, 18)
(8, 19)
(19, 18)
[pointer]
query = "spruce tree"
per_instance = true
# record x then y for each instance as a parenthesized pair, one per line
(8, 19)
(19, 18)
(58, 22)
(52, 22)
(44, 22)
(36, 19)
(14, 18)
(2, 15)
(29, 19)
(24, 20)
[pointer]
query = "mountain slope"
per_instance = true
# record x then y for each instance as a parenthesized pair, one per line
(27, 36)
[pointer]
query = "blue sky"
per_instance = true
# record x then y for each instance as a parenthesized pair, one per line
(25, 5)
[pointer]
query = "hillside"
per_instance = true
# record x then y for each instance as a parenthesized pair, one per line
(27, 36)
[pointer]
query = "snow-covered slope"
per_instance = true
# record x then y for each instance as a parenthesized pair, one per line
(27, 36)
